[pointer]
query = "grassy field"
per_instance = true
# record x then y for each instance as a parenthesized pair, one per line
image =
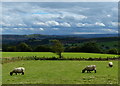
(110, 44)
(49, 54)
(60, 72)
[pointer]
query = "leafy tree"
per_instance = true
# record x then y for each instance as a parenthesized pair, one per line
(11, 49)
(103, 45)
(57, 47)
(42, 48)
(113, 51)
(107, 47)
(4, 47)
(115, 45)
(74, 49)
(23, 47)
(91, 47)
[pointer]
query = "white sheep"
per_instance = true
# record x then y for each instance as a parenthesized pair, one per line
(89, 68)
(110, 64)
(18, 70)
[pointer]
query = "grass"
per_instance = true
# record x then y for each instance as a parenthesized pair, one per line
(49, 54)
(0, 74)
(109, 44)
(60, 72)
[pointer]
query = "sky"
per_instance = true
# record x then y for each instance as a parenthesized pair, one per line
(60, 0)
(59, 18)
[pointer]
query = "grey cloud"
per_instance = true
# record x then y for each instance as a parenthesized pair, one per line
(60, 1)
(44, 16)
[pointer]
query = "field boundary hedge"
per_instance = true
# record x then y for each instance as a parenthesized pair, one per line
(60, 85)
(12, 59)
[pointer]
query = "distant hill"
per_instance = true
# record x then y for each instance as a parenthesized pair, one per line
(69, 41)
(95, 35)
(39, 36)
(37, 39)
(32, 39)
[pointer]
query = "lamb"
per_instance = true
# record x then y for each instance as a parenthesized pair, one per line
(110, 64)
(89, 68)
(18, 70)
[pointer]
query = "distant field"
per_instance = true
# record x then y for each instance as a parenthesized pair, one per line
(49, 54)
(60, 72)
(109, 44)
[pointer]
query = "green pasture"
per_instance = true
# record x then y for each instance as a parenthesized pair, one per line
(110, 44)
(49, 54)
(60, 72)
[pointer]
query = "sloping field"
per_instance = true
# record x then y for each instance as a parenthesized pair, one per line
(49, 54)
(60, 72)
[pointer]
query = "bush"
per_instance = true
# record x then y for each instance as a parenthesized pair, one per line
(91, 47)
(112, 51)
(11, 48)
(73, 49)
(42, 48)
(23, 47)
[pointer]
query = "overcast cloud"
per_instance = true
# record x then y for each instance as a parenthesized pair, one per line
(59, 18)
(59, 0)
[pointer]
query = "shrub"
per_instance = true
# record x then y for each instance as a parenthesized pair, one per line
(113, 51)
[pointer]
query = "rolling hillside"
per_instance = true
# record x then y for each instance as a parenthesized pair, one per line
(38, 39)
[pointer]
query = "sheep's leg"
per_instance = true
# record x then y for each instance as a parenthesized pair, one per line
(87, 71)
(16, 73)
(95, 71)
(22, 73)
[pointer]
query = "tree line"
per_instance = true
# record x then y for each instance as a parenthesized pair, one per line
(57, 47)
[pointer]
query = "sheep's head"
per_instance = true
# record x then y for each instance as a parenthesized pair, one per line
(83, 71)
(11, 73)
(110, 65)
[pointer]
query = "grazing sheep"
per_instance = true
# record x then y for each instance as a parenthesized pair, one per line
(18, 70)
(89, 68)
(110, 64)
